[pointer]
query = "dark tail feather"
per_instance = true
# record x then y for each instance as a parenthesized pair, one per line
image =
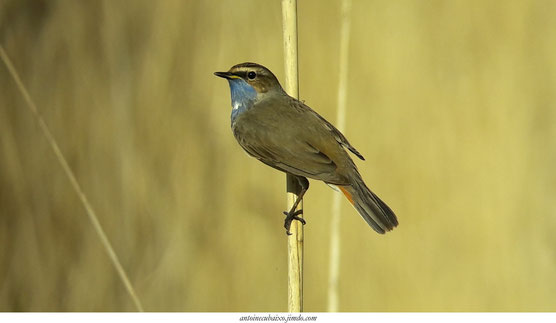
(375, 212)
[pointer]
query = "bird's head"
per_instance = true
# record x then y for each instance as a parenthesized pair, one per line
(250, 82)
(254, 75)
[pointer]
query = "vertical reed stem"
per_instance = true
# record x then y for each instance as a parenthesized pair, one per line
(334, 264)
(295, 240)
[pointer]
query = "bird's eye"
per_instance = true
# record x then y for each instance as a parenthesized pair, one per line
(251, 75)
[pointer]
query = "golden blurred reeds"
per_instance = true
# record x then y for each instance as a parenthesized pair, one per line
(334, 258)
(451, 102)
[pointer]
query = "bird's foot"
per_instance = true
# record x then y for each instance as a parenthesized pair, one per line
(290, 216)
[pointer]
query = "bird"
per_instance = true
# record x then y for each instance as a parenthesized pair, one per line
(286, 134)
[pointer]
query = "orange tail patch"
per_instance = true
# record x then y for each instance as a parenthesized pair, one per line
(347, 194)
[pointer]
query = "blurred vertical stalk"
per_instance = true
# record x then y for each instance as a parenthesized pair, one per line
(334, 258)
(295, 240)
(73, 181)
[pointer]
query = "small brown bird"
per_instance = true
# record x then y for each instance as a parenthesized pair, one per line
(287, 135)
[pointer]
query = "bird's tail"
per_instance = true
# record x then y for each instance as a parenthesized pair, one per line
(375, 212)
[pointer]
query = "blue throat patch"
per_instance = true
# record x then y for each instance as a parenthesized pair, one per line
(243, 97)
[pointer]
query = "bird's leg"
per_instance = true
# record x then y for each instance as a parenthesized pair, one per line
(293, 214)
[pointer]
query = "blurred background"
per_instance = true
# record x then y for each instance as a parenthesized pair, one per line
(451, 102)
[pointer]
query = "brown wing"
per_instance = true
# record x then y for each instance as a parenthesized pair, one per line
(340, 138)
(294, 157)
(295, 139)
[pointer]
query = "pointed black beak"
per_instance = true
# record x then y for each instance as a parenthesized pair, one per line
(226, 75)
